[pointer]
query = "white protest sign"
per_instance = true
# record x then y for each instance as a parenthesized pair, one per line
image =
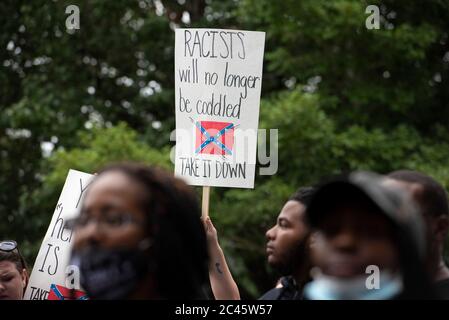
(218, 80)
(52, 277)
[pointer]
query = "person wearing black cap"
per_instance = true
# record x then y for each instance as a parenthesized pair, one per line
(432, 201)
(362, 225)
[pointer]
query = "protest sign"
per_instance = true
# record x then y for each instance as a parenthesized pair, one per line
(52, 276)
(218, 80)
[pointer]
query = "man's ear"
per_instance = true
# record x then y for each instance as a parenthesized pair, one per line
(441, 228)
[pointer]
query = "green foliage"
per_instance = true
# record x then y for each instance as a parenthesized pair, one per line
(312, 145)
(96, 148)
(100, 146)
(342, 98)
(380, 77)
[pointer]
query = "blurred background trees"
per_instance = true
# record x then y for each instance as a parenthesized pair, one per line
(342, 97)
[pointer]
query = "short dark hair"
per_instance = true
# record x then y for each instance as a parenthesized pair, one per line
(432, 199)
(173, 221)
(303, 195)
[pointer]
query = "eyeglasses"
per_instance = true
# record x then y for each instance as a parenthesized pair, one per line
(9, 246)
(110, 221)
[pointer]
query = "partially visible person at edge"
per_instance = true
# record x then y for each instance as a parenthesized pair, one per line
(369, 242)
(139, 236)
(433, 203)
(13, 272)
(288, 248)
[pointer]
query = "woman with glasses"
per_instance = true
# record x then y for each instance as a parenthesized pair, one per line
(139, 236)
(13, 272)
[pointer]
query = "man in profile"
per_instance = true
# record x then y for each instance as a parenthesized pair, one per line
(288, 248)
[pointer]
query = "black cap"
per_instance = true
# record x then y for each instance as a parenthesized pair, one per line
(392, 201)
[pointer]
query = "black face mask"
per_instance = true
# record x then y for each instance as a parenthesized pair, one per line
(107, 274)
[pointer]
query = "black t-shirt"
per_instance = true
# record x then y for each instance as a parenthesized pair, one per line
(288, 291)
(442, 289)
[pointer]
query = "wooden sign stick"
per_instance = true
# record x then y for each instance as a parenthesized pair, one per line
(205, 206)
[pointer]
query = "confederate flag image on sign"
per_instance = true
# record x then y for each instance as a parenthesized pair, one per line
(63, 293)
(214, 137)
